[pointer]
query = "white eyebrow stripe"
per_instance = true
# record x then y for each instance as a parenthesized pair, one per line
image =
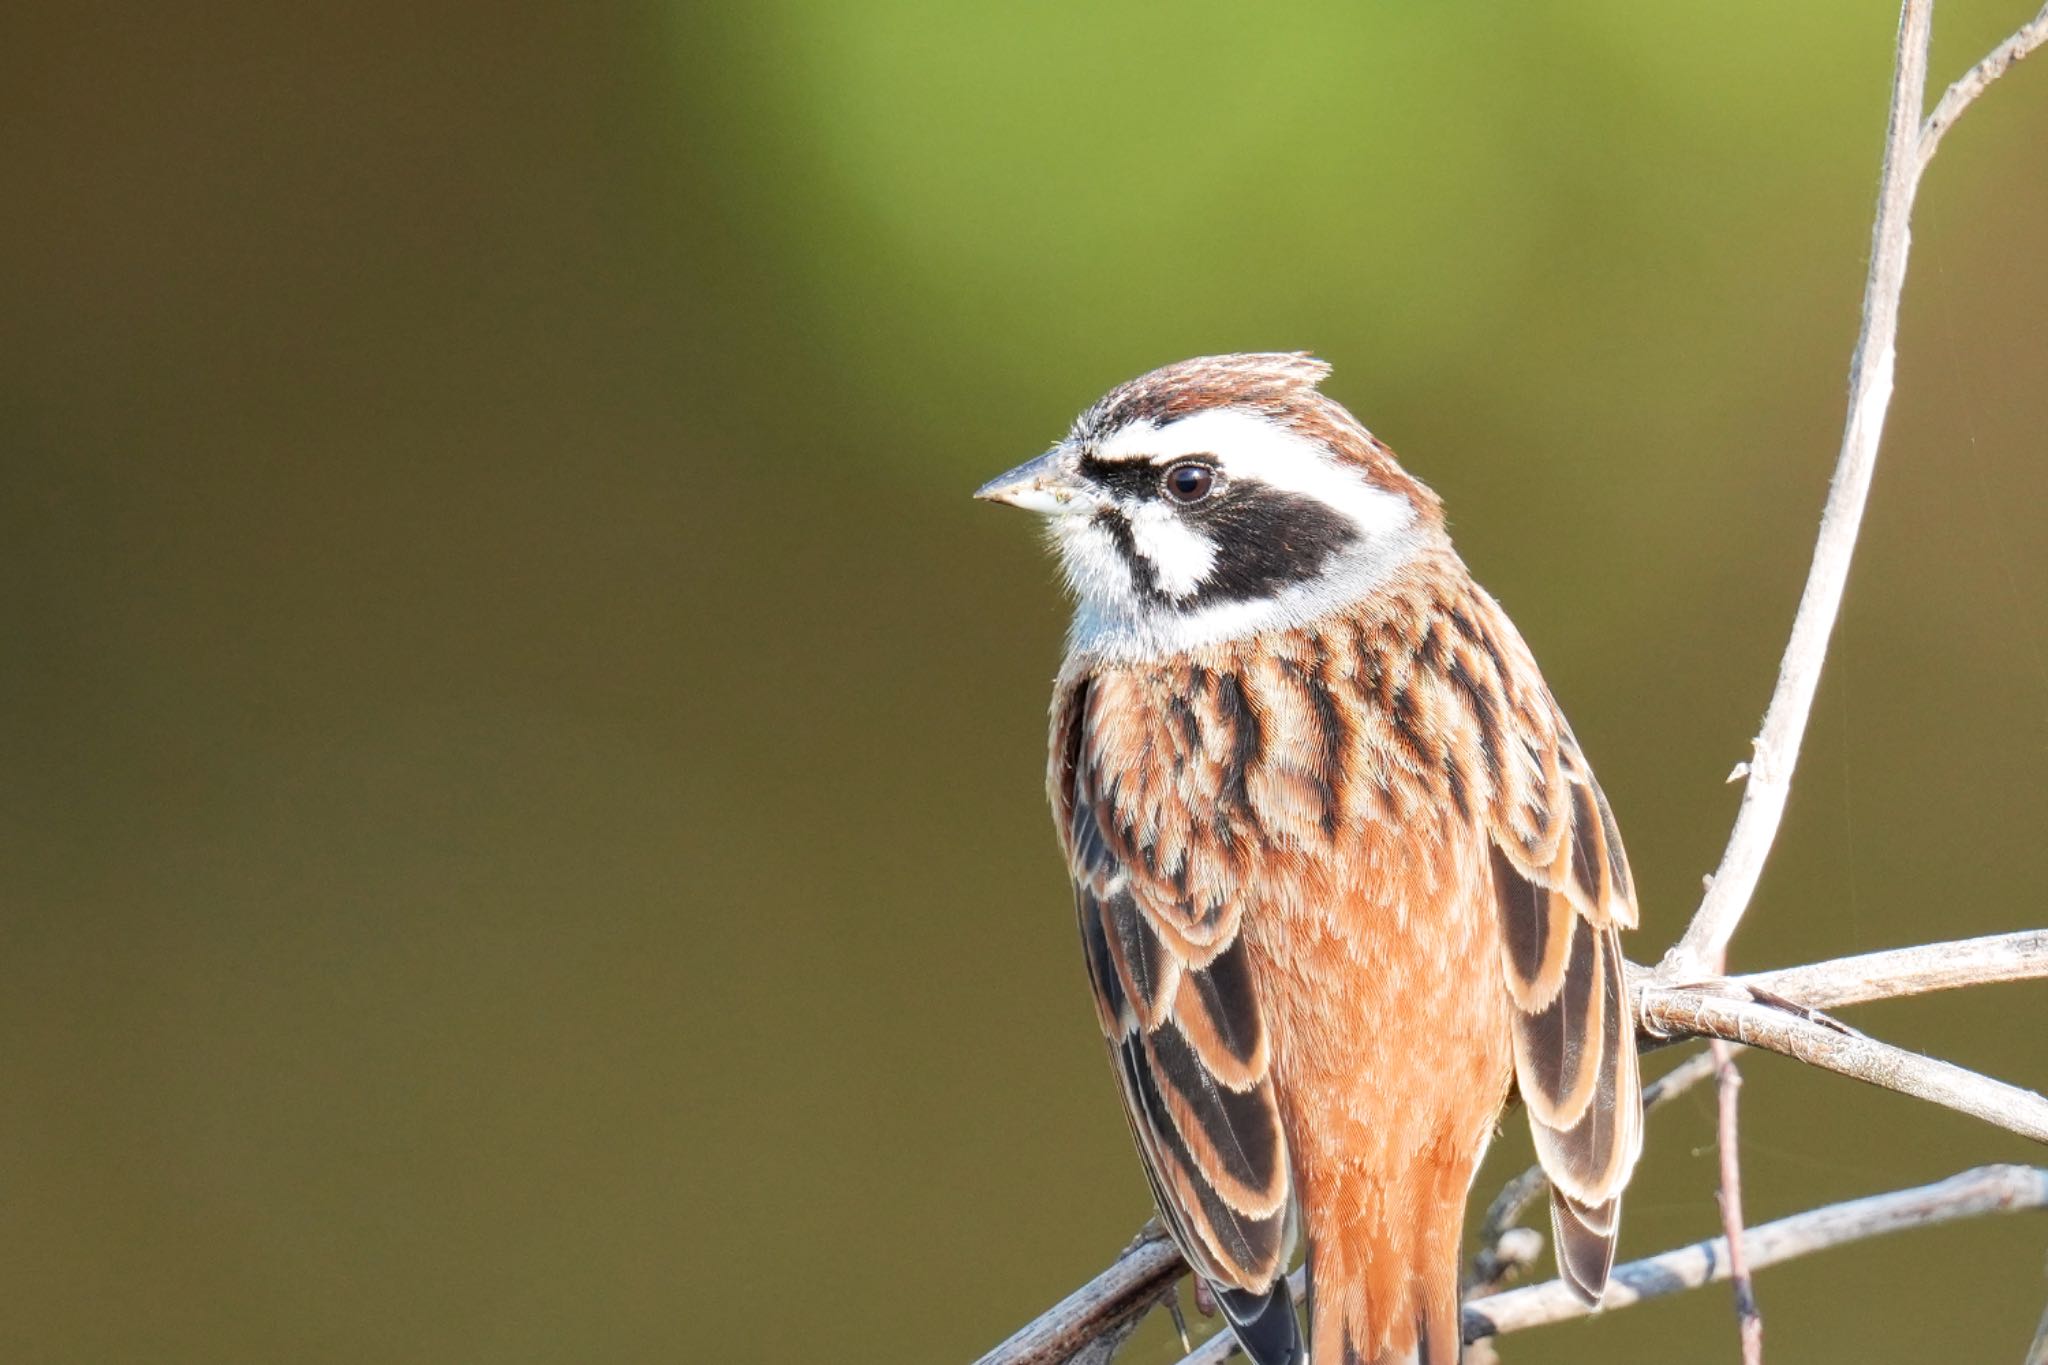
(1212, 431)
(1246, 445)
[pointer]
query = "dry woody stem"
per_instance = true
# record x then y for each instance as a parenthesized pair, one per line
(1822, 1042)
(1971, 1194)
(1147, 1269)
(1705, 944)
(1987, 1189)
(1749, 1320)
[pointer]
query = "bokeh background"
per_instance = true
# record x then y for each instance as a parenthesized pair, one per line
(520, 763)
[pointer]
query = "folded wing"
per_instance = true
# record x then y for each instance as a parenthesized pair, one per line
(1562, 886)
(1175, 997)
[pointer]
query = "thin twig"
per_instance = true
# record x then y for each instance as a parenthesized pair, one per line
(1986, 1189)
(1872, 976)
(1701, 1014)
(1132, 1284)
(1887, 975)
(1976, 80)
(1705, 943)
(1749, 1319)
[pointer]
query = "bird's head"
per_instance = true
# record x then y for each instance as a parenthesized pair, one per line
(1219, 497)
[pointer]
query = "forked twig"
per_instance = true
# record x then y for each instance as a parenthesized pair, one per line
(1704, 1015)
(1705, 944)
(1977, 79)
(1896, 972)
(1910, 144)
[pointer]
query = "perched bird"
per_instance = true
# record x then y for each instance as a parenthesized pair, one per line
(1341, 869)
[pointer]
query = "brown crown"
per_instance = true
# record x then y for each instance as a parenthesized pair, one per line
(1279, 385)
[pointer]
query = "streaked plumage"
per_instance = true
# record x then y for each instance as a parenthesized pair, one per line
(1341, 869)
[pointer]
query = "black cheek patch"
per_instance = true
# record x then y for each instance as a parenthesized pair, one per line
(1267, 540)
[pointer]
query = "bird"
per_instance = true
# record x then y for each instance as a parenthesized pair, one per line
(1344, 877)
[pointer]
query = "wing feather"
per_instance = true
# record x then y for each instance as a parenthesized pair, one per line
(1585, 1242)
(1562, 901)
(1177, 1002)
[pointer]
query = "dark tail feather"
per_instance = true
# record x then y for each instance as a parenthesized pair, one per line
(1264, 1323)
(1584, 1234)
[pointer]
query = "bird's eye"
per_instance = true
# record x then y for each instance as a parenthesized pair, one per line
(1188, 482)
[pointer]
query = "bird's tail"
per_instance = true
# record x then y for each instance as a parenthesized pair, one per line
(1264, 1323)
(1394, 1309)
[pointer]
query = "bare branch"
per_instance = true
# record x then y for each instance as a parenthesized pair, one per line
(1909, 971)
(1977, 80)
(1749, 1319)
(1833, 1048)
(1705, 943)
(1127, 1290)
(1987, 1189)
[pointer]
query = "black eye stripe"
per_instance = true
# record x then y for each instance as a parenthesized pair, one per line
(1134, 478)
(1267, 539)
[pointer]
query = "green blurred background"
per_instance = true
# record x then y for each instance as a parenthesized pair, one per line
(522, 816)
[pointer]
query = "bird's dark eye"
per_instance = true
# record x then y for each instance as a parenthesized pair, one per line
(1188, 482)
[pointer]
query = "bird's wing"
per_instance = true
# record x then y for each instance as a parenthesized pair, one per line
(1175, 997)
(1562, 886)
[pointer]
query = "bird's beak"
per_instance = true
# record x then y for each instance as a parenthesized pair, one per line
(1049, 485)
